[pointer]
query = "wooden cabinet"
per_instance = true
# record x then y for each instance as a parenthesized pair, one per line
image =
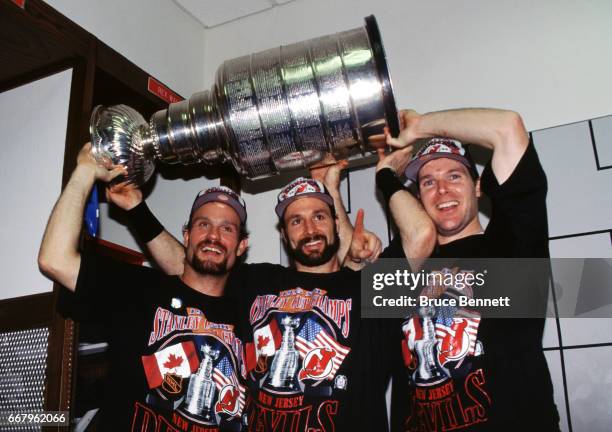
(37, 41)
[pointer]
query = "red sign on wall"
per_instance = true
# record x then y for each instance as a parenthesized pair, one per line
(162, 91)
(20, 3)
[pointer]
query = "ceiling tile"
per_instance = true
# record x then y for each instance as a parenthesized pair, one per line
(214, 12)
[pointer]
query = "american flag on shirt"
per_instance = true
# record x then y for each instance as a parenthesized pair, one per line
(312, 336)
(224, 375)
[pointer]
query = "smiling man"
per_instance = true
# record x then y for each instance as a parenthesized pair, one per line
(308, 225)
(214, 239)
(306, 334)
(494, 376)
(448, 188)
(176, 359)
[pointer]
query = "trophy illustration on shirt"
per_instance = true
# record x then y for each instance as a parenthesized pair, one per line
(286, 360)
(201, 391)
(429, 369)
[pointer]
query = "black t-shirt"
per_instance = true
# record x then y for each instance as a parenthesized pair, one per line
(176, 361)
(312, 363)
(461, 372)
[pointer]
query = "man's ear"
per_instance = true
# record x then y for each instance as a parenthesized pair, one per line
(477, 186)
(185, 236)
(283, 235)
(242, 247)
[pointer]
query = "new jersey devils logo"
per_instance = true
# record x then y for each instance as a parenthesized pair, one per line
(228, 400)
(455, 342)
(318, 364)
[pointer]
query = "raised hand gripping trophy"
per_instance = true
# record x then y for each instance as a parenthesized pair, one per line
(267, 112)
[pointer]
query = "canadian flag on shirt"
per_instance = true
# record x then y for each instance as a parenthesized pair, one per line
(180, 359)
(266, 340)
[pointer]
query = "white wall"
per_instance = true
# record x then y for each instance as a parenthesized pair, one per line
(156, 35)
(33, 122)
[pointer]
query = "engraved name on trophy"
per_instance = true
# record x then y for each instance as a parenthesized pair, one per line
(429, 370)
(268, 112)
(286, 360)
(201, 391)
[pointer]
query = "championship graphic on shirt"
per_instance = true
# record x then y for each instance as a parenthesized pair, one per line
(439, 346)
(295, 359)
(194, 372)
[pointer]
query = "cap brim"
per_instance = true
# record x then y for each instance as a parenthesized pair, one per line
(413, 168)
(282, 206)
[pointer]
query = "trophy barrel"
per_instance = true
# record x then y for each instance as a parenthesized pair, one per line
(285, 107)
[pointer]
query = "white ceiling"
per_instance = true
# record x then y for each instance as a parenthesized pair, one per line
(214, 12)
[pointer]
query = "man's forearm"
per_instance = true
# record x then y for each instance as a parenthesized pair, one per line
(167, 253)
(416, 229)
(328, 173)
(345, 228)
(59, 257)
(483, 126)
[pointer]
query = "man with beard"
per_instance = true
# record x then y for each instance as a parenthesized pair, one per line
(312, 363)
(500, 379)
(176, 359)
(313, 246)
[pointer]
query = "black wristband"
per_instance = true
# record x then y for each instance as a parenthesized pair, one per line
(388, 183)
(144, 223)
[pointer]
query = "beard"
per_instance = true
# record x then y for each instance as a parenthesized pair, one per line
(315, 258)
(208, 267)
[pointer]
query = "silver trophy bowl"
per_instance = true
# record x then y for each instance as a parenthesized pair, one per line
(119, 135)
(268, 112)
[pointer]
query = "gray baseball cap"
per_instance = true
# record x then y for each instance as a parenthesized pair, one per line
(221, 194)
(437, 148)
(299, 188)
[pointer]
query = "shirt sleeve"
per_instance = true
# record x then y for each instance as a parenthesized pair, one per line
(394, 250)
(519, 220)
(101, 284)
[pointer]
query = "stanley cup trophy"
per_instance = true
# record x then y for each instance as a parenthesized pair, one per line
(427, 348)
(286, 360)
(267, 112)
(201, 391)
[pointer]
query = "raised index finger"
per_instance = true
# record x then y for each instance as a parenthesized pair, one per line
(359, 221)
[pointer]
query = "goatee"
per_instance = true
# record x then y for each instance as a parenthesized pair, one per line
(315, 258)
(209, 267)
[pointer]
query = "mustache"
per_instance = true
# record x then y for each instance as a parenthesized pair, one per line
(214, 243)
(302, 242)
